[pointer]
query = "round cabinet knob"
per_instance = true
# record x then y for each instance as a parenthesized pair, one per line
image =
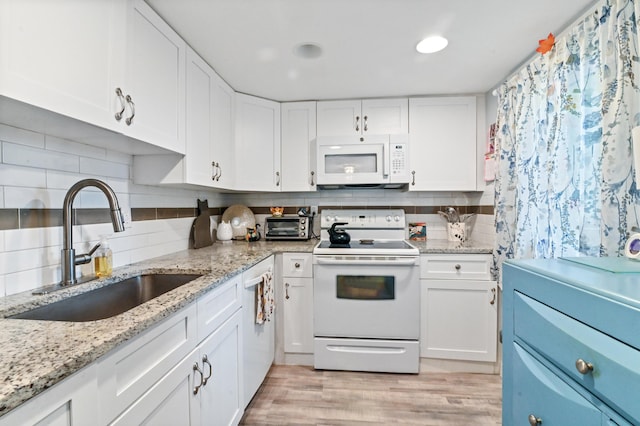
(297, 265)
(458, 266)
(533, 420)
(583, 366)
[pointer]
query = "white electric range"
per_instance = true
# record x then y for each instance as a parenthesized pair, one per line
(366, 294)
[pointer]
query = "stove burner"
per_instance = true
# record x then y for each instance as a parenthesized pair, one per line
(339, 246)
(367, 242)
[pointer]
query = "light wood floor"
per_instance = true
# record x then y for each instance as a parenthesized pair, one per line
(299, 395)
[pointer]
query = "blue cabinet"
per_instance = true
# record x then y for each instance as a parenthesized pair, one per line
(571, 347)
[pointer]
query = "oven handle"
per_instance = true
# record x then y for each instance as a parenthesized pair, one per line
(409, 261)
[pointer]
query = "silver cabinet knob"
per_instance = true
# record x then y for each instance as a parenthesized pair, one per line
(458, 266)
(583, 366)
(297, 265)
(533, 420)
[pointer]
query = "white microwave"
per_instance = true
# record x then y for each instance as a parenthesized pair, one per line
(376, 161)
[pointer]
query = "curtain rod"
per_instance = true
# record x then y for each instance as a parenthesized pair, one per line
(580, 17)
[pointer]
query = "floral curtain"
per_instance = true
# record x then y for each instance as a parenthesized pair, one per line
(565, 180)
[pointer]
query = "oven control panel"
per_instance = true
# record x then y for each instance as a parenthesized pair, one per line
(375, 219)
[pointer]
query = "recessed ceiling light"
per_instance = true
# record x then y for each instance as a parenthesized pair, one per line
(308, 50)
(432, 44)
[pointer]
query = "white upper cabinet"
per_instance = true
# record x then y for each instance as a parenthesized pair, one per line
(257, 144)
(356, 117)
(113, 63)
(297, 146)
(442, 140)
(65, 56)
(155, 80)
(222, 151)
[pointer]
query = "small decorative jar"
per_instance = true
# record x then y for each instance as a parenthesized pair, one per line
(224, 233)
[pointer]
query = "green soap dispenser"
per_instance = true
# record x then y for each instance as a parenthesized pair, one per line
(103, 259)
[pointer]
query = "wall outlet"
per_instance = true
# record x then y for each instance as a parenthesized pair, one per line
(314, 210)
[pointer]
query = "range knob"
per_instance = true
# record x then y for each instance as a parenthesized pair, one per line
(388, 218)
(329, 218)
(396, 218)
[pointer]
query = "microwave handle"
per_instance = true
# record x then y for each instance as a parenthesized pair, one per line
(385, 159)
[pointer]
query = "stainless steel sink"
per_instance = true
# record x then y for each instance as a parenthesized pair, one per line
(110, 300)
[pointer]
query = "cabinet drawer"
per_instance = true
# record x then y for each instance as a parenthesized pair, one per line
(217, 306)
(297, 265)
(446, 266)
(544, 395)
(126, 373)
(615, 377)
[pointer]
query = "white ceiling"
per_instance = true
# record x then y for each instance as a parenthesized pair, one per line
(368, 45)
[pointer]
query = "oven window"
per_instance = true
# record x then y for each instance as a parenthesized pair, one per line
(365, 287)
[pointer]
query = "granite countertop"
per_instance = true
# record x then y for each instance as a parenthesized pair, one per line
(38, 354)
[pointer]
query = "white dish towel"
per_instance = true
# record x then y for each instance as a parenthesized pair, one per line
(265, 300)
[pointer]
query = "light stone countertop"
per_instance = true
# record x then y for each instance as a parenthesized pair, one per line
(37, 354)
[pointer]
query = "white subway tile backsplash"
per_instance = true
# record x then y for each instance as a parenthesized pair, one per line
(102, 168)
(25, 239)
(63, 180)
(24, 260)
(20, 136)
(28, 156)
(53, 143)
(33, 198)
(31, 279)
(11, 175)
(119, 157)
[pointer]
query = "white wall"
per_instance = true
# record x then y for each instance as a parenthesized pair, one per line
(36, 170)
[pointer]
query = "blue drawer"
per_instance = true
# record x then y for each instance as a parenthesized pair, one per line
(542, 394)
(615, 377)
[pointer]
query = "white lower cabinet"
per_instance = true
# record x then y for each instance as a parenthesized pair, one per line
(70, 402)
(204, 388)
(297, 281)
(459, 314)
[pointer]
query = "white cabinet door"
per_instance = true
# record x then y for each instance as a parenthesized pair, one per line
(170, 401)
(64, 56)
(385, 116)
(459, 320)
(336, 118)
(442, 141)
(356, 117)
(257, 144)
(198, 158)
(223, 113)
(298, 135)
(70, 402)
(155, 79)
(298, 314)
(221, 398)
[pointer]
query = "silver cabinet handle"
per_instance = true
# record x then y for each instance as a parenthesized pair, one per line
(129, 119)
(413, 177)
(533, 420)
(493, 296)
(366, 127)
(205, 360)
(122, 104)
(357, 123)
(219, 172)
(312, 175)
(277, 178)
(583, 366)
(214, 170)
(197, 388)
(286, 291)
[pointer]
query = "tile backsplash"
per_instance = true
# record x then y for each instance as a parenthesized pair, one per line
(36, 170)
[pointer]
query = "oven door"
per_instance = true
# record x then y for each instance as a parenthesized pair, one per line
(374, 297)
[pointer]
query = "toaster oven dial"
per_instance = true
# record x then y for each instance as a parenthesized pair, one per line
(303, 220)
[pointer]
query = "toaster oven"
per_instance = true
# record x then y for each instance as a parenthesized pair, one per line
(288, 228)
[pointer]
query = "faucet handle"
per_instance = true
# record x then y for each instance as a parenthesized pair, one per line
(81, 259)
